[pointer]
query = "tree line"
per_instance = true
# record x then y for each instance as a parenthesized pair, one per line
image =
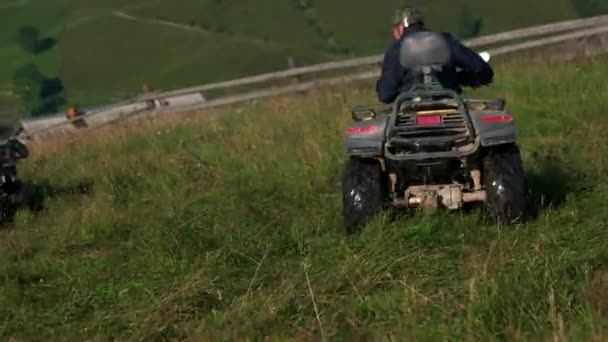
(38, 93)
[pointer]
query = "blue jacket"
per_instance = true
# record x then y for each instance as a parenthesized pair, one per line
(394, 78)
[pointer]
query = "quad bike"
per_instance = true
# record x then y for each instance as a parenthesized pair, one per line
(13, 192)
(432, 149)
(16, 193)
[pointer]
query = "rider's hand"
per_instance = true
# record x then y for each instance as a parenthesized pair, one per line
(468, 79)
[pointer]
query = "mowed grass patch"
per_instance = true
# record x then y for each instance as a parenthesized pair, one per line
(231, 228)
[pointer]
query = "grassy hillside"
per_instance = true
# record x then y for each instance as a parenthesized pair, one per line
(229, 226)
(47, 16)
(198, 57)
(108, 49)
(361, 26)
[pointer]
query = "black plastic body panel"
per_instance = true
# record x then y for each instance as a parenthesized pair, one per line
(495, 132)
(482, 133)
(367, 143)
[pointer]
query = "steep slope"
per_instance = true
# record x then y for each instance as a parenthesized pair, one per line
(230, 226)
(108, 49)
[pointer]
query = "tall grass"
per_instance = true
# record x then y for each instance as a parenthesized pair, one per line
(229, 227)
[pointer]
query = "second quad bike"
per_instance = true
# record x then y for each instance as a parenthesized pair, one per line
(432, 149)
(13, 192)
(16, 193)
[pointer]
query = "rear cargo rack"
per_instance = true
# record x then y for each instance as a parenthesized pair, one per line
(430, 124)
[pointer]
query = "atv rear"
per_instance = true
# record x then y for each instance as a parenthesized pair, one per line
(433, 150)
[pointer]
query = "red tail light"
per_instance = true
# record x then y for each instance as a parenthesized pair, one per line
(364, 129)
(428, 120)
(497, 118)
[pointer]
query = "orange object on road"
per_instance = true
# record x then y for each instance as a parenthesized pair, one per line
(73, 113)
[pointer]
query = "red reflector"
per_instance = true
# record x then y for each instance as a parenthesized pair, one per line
(497, 118)
(428, 120)
(365, 129)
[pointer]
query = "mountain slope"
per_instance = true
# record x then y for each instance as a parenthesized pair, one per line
(109, 49)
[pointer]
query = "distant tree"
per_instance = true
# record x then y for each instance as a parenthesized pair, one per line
(49, 104)
(38, 94)
(45, 44)
(51, 87)
(589, 8)
(470, 24)
(27, 38)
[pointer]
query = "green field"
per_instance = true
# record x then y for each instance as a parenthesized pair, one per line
(230, 227)
(362, 26)
(203, 57)
(268, 20)
(107, 49)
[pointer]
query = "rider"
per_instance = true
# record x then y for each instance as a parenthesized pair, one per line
(475, 71)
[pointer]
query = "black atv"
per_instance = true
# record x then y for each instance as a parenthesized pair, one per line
(433, 149)
(16, 194)
(13, 191)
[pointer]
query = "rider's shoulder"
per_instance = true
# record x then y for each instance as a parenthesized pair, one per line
(447, 35)
(393, 47)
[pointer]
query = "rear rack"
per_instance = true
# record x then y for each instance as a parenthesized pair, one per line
(450, 133)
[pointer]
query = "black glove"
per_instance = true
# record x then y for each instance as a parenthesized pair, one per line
(469, 79)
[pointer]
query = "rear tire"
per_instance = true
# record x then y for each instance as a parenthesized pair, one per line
(504, 181)
(364, 192)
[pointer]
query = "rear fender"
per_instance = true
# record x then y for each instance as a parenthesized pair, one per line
(494, 127)
(366, 138)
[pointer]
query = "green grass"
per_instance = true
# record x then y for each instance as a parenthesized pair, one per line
(204, 57)
(366, 29)
(269, 20)
(47, 16)
(102, 57)
(230, 227)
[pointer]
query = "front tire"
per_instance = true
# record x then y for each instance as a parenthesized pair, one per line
(504, 181)
(364, 192)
